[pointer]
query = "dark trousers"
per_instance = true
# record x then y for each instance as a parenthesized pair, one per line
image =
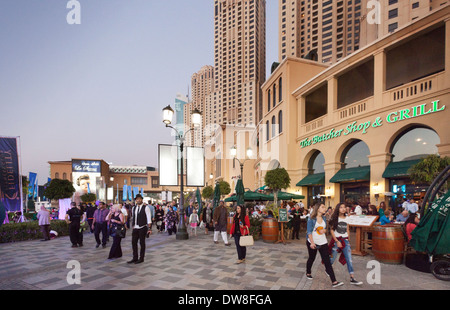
(90, 224)
(241, 250)
(324, 254)
(116, 248)
(139, 235)
(296, 230)
(45, 231)
(74, 233)
(103, 228)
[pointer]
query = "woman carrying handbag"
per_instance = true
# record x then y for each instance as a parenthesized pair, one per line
(117, 222)
(242, 221)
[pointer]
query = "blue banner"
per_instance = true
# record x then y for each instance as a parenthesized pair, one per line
(31, 185)
(10, 191)
(130, 194)
(125, 193)
(135, 191)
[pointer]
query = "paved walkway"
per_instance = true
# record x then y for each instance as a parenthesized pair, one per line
(194, 264)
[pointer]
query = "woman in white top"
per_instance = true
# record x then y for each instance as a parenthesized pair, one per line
(340, 243)
(316, 240)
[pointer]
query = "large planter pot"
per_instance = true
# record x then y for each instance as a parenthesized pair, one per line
(388, 244)
(270, 230)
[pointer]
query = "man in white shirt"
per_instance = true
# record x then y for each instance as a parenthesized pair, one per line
(141, 220)
(411, 206)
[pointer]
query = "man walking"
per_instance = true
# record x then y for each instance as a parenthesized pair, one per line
(220, 223)
(141, 221)
(100, 224)
(74, 219)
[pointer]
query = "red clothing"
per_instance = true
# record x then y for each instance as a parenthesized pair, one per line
(244, 230)
(409, 228)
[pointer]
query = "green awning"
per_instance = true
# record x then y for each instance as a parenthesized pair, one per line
(313, 179)
(399, 169)
(352, 174)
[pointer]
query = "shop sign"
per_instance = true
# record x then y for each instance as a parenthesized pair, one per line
(364, 127)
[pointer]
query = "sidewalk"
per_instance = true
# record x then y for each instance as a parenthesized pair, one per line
(193, 264)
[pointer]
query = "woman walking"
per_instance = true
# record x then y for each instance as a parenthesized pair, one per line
(340, 243)
(316, 240)
(171, 221)
(117, 220)
(159, 218)
(207, 218)
(240, 227)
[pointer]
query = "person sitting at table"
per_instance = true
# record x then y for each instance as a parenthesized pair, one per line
(410, 224)
(386, 217)
(402, 217)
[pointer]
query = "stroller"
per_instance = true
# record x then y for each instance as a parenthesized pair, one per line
(432, 235)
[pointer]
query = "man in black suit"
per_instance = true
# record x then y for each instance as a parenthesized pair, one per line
(140, 220)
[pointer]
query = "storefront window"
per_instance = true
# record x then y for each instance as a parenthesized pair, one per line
(356, 155)
(415, 144)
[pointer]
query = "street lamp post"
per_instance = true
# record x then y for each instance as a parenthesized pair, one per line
(249, 153)
(196, 118)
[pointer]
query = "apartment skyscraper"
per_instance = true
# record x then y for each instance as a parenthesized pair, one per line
(202, 85)
(328, 30)
(239, 61)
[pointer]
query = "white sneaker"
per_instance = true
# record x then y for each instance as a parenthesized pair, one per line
(338, 284)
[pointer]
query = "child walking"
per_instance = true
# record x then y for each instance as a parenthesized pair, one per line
(193, 221)
(340, 243)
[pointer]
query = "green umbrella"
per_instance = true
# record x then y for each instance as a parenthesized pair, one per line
(199, 200)
(250, 196)
(287, 196)
(240, 191)
(216, 197)
(432, 233)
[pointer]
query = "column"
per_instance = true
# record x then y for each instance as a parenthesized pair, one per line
(378, 184)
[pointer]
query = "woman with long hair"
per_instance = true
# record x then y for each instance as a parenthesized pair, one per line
(116, 218)
(240, 227)
(339, 229)
(316, 240)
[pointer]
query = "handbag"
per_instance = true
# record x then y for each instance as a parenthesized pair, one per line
(246, 240)
(117, 230)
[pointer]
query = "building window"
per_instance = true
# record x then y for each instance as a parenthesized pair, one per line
(155, 182)
(393, 13)
(280, 89)
(267, 131)
(273, 126)
(392, 27)
(139, 181)
(274, 95)
(64, 176)
(268, 100)
(280, 121)
(57, 175)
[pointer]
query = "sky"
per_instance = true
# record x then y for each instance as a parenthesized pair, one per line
(96, 90)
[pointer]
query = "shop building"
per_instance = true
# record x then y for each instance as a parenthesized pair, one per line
(351, 131)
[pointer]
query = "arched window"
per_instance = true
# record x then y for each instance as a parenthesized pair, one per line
(280, 89)
(273, 126)
(280, 121)
(415, 144)
(268, 100)
(316, 163)
(64, 176)
(267, 131)
(356, 155)
(274, 95)
(57, 175)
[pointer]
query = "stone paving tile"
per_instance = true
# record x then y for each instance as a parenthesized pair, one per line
(194, 264)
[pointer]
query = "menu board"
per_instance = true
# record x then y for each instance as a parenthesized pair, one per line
(362, 220)
(282, 215)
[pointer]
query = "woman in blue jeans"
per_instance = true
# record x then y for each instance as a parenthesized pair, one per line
(340, 243)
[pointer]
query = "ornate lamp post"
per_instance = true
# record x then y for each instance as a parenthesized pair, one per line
(196, 120)
(249, 153)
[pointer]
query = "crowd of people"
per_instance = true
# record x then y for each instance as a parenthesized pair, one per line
(139, 218)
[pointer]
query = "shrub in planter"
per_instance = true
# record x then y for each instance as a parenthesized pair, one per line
(15, 232)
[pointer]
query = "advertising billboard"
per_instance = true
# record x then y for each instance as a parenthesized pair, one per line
(85, 176)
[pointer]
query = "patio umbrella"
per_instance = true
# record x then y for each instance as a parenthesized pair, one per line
(199, 200)
(432, 235)
(287, 196)
(240, 191)
(216, 197)
(251, 196)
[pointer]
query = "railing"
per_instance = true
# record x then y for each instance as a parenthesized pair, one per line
(415, 89)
